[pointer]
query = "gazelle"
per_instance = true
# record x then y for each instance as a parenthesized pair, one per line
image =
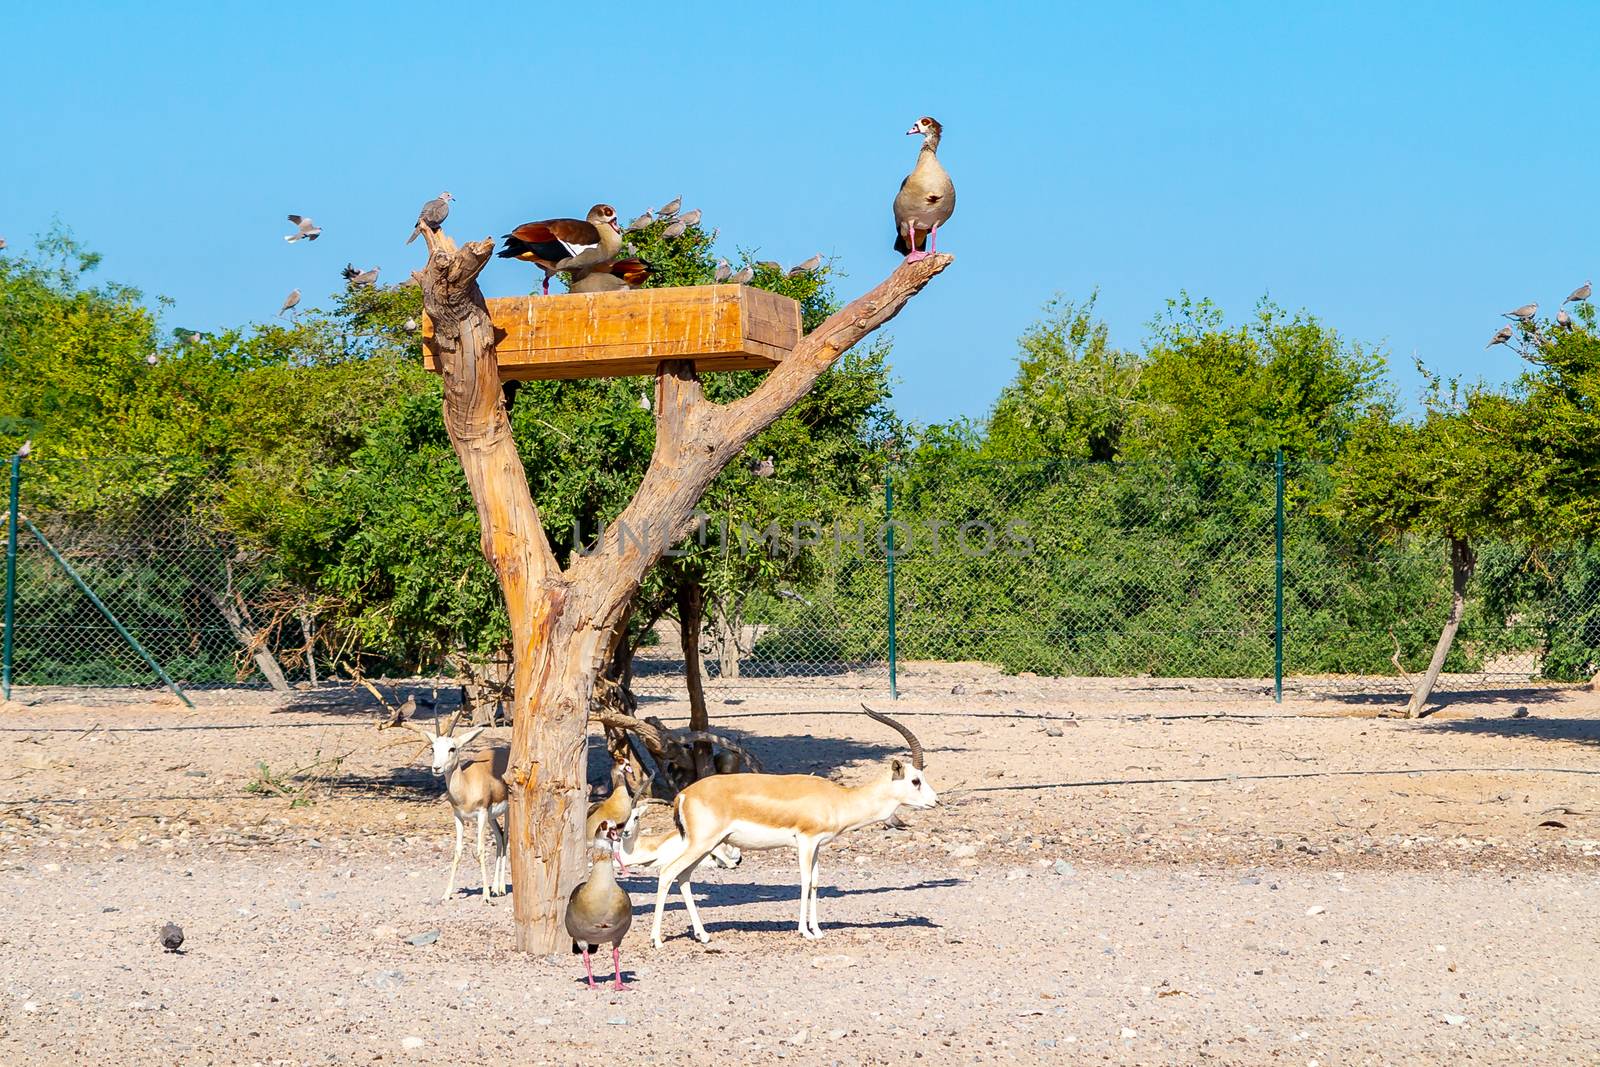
(475, 786)
(761, 811)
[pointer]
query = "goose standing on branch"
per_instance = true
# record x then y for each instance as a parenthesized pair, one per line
(432, 215)
(599, 911)
(566, 244)
(927, 197)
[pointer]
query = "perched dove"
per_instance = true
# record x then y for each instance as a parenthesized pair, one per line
(675, 229)
(26, 450)
(724, 268)
(194, 338)
(640, 223)
(290, 301)
(1563, 320)
(690, 218)
(432, 215)
(358, 278)
(772, 265)
(644, 402)
(411, 326)
(1579, 295)
(672, 208)
(151, 359)
(742, 276)
(1523, 313)
(764, 469)
(1502, 336)
(170, 935)
(807, 267)
(306, 228)
(2, 244)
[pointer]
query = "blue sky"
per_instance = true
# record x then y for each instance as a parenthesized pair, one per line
(1405, 174)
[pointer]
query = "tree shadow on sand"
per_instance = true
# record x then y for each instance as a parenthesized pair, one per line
(1575, 730)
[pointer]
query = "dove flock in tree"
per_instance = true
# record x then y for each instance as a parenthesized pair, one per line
(356, 279)
(1525, 313)
(1563, 320)
(742, 276)
(671, 207)
(305, 227)
(806, 267)
(1580, 294)
(690, 218)
(674, 229)
(639, 223)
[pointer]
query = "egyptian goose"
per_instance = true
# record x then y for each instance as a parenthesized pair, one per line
(927, 197)
(610, 276)
(432, 215)
(600, 911)
(566, 244)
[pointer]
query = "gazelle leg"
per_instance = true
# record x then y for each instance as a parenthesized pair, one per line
(808, 853)
(692, 854)
(450, 883)
(501, 855)
(483, 862)
(616, 965)
(816, 870)
(687, 890)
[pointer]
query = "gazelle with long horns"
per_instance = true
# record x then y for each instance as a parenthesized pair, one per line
(476, 788)
(762, 811)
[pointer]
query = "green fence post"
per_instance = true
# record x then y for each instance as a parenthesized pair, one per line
(1277, 629)
(83, 587)
(888, 525)
(11, 573)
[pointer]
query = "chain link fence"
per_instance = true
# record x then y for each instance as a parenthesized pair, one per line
(1017, 579)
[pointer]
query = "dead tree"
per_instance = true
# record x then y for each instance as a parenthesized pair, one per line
(564, 621)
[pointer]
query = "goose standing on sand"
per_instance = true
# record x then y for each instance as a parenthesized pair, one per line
(566, 244)
(927, 197)
(600, 911)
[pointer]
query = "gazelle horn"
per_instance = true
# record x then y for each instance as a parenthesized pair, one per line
(911, 738)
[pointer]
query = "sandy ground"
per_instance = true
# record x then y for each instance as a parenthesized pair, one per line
(1134, 873)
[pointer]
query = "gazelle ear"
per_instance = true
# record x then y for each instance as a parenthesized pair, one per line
(896, 769)
(470, 736)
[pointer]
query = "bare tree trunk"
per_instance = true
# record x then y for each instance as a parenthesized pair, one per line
(1462, 560)
(564, 622)
(691, 613)
(308, 627)
(727, 632)
(249, 640)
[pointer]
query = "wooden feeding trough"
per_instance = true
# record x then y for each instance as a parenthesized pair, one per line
(625, 333)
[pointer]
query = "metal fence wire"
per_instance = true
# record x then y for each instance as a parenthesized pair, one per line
(1018, 577)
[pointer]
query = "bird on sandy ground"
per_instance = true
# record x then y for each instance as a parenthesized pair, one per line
(1563, 320)
(764, 469)
(356, 279)
(724, 268)
(675, 229)
(1579, 295)
(556, 245)
(170, 936)
(927, 197)
(1524, 313)
(600, 911)
(672, 208)
(807, 267)
(640, 222)
(742, 276)
(290, 301)
(432, 215)
(611, 276)
(305, 227)
(690, 218)
(1502, 336)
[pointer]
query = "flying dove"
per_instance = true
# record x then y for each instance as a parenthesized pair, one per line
(1580, 294)
(724, 268)
(1502, 336)
(807, 267)
(290, 301)
(1563, 320)
(1523, 313)
(675, 229)
(672, 208)
(358, 278)
(306, 227)
(432, 215)
(690, 218)
(640, 223)
(742, 276)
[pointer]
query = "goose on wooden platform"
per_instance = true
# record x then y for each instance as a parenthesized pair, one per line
(556, 245)
(610, 276)
(927, 197)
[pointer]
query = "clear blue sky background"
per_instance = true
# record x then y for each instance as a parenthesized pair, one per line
(1406, 174)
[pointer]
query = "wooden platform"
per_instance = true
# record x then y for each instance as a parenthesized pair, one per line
(616, 335)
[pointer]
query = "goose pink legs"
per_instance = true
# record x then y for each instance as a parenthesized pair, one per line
(616, 968)
(588, 967)
(911, 242)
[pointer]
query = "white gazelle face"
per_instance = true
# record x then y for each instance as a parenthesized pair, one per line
(913, 791)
